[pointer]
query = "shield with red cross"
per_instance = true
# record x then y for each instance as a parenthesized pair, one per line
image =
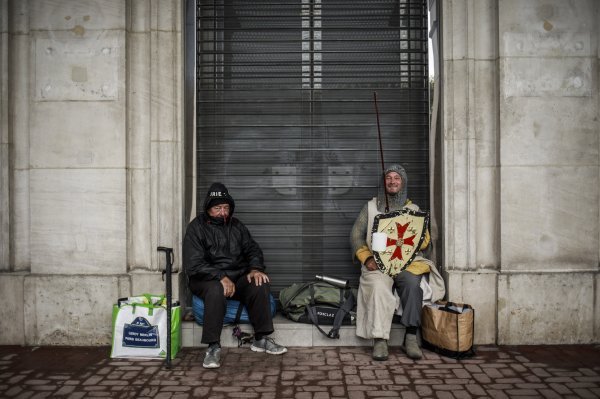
(405, 231)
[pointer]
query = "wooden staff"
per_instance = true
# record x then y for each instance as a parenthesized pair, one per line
(387, 206)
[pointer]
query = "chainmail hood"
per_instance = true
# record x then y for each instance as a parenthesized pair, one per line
(396, 201)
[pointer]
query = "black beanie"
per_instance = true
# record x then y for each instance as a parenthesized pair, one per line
(218, 194)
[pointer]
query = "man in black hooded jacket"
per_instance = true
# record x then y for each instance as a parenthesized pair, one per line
(221, 261)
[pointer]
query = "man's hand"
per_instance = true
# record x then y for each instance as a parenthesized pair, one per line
(370, 264)
(228, 287)
(259, 277)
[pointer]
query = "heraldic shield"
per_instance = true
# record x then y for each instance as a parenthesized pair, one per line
(405, 231)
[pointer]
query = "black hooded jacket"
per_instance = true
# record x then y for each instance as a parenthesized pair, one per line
(214, 247)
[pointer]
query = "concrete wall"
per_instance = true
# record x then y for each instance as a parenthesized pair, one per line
(521, 123)
(92, 165)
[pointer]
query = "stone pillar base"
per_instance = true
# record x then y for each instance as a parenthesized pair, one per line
(478, 289)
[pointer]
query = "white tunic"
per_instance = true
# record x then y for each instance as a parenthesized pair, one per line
(377, 301)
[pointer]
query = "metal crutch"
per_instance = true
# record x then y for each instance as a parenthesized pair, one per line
(168, 270)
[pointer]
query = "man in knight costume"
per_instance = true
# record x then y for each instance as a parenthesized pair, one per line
(377, 303)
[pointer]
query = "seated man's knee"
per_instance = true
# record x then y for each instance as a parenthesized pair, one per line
(408, 280)
(214, 291)
(259, 290)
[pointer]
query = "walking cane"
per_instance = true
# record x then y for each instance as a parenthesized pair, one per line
(168, 269)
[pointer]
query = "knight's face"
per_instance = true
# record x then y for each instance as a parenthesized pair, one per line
(393, 183)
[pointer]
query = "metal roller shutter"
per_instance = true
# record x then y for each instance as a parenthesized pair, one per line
(286, 118)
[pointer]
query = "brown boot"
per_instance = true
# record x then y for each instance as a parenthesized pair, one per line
(380, 349)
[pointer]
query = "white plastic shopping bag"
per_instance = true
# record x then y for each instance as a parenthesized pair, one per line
(140, 328)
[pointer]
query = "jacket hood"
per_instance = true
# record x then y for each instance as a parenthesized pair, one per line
(218, 194)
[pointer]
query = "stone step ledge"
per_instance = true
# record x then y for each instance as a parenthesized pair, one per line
(289, 333)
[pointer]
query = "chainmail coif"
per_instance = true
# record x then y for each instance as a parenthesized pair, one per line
(395, 201)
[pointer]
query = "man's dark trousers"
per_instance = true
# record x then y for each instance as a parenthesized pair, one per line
(255, 298)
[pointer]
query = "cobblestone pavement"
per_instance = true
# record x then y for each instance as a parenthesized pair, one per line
(303, 373)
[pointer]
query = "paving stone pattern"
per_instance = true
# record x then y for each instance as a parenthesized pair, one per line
(303, 373)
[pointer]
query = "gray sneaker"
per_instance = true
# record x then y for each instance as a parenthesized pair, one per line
(212, 359)
(411, 346)
(269, 346)
(380, 349)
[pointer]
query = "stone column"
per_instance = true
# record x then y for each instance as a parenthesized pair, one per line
(11, 282)
(139, 233)
(77, 157)
(155, 123)
(549, 119)
(470, 126)
(166, 114)
(18, 128)
(4, 142)
(91, 161)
